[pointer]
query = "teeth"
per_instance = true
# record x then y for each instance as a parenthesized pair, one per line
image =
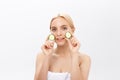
(60, 39)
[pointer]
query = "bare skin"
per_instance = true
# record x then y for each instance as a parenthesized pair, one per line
(65, 58)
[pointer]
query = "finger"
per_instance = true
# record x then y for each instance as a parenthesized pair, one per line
(75, 44)
(69, 43)
(46, 46)
(74, 41)
(68, 40)
(43, 49)
(49, 44)
(78, 44)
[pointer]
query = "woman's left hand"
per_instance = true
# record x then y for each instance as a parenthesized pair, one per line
(74, 44)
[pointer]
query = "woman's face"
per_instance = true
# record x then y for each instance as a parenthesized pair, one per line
(59, 27)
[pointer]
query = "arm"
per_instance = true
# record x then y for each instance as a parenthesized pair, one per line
(80, 63)
(75, 69)
(43, 60)
(80, 67)
(85, 66)
(42, 66)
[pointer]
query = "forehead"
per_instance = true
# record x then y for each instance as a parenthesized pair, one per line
(59, 21)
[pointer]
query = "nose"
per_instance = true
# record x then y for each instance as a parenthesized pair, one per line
(59, 32)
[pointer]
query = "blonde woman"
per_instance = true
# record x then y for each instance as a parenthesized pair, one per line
(65, 62)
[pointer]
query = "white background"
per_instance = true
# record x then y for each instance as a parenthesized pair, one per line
(24, 25)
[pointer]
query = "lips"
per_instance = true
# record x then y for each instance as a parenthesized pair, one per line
(59, 39)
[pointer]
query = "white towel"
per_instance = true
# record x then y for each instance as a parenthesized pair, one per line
(58, 76)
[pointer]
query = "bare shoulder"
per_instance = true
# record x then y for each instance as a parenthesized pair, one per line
(40, 56)
(85, 63)
(84, 57)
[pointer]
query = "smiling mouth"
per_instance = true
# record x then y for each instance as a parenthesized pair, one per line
(60, 39)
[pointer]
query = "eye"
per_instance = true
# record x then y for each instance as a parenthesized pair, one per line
(65, 28)
(53, 29)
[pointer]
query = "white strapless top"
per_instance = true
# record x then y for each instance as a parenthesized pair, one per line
(58, 76)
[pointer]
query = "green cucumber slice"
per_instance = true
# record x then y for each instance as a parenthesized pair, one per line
(51, 37)
(68, 35)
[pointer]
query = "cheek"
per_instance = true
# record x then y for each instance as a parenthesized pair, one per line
(64, 32)
(70, 29)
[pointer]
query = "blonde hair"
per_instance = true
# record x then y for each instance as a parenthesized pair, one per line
(67, 18)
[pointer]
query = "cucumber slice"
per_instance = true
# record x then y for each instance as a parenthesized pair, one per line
(51, 37)
(68, 35)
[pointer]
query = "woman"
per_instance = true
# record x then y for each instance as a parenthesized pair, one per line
(65, 62)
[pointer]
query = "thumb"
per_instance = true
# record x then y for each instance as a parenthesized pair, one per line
(69, 42)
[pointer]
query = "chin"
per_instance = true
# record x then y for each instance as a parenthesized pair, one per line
(60, 44)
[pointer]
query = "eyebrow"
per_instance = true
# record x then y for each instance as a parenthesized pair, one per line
(63, 25)
(60, 26)
(53, 27)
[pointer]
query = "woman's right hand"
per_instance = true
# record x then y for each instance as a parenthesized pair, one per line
(47, 47)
